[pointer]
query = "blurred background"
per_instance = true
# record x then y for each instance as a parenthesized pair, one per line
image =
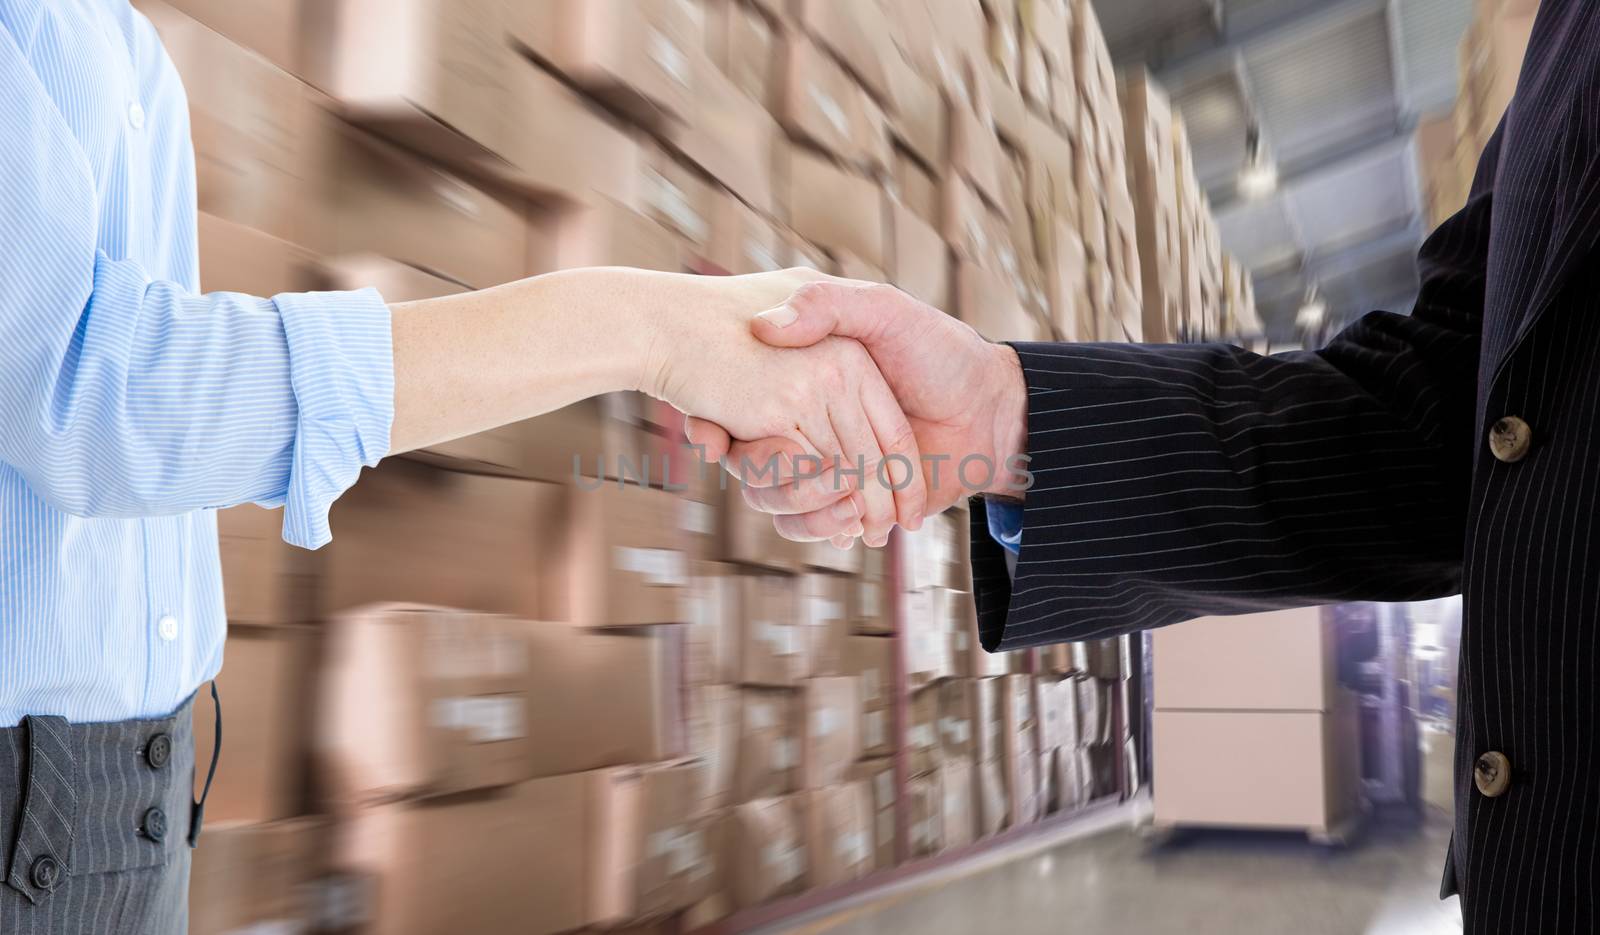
(556, 678)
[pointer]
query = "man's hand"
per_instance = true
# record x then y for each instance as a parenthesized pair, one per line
(826, 400)
(965, 400)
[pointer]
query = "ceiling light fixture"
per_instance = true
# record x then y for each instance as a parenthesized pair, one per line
(1313, 312)
(1259, 177)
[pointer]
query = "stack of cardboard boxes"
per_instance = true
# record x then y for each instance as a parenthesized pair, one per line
(558, 641)
(1490, 61)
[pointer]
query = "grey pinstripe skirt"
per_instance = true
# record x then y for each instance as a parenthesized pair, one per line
(94, 826)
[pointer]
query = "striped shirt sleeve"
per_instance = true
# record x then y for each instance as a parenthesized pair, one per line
(1172, 482)
(124, 396)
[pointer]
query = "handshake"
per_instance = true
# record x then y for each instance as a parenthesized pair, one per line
(845, 407)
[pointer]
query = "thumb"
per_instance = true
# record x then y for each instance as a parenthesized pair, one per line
(818, 309)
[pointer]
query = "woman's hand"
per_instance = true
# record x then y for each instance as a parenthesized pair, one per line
(827, 400)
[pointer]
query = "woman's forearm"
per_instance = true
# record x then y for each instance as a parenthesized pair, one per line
(471, 362)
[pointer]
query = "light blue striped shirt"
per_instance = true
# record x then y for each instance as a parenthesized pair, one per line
(131, 406)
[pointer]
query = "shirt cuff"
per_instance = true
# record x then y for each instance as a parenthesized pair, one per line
(1005, 524)
(341, 367)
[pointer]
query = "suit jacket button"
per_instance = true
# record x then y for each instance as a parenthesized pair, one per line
(158, 751)
(1492, 774)
(1509, 439)
(155, 825)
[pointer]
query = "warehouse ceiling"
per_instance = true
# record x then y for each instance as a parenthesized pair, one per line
(1338, 88)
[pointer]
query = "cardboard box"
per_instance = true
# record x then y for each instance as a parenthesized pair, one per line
(1282, 660)
(266, 580)
(818, 103)
(831, 207)
(971, 660)
(769, 757)
(1094, 712)
(870, 661)
(975, 153)
(858, 34)
(990, 304)
(714, 713)
(252, 123)
(830, 710)
(825, 620)
(264, 682)
(849, 266)
(235, 258)
(918, 113)
(740, 42)
(878, 776)
(432, 74)
(773, 645)
(743, 241)
(824, 556)
(957, 803)
(404, 528)
(926, 832)
(922, 731)
(991, 806)
(927, 642)
(270, 28)
(651, 847)
(251, 874)
(1057, 704)
(376, 198)
(592, 440)
(679, 198)
(1017, 716)
(628, 687)
(418, 701)
(617, 560)
(749, 538)
(974, 230)
(936, 555)
(516, 859)
(869, 610)
(764, 851)
(838, 833)
(958, 702)
(988, 724)
(1302, 773)
(637, 55)
(916, 188)
(919, 261)
(1024, 792)
(711, 613)
(602, 233)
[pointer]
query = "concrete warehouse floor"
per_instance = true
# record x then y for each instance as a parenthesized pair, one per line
(1197, 883)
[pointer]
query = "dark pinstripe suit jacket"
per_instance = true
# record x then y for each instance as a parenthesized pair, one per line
(1173, 482)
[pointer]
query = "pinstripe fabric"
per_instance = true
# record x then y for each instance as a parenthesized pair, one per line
(1174, 482)
(130, 405)
(116, 881)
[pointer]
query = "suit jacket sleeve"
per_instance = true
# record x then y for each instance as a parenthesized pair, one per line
(1172, 482)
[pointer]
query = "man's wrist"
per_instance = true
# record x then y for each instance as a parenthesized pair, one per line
(1010, 395)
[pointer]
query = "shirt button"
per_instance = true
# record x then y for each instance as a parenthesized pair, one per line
(136, 116)
(1492, 774)
(167, 626)
(1510, 439)
(45, 873)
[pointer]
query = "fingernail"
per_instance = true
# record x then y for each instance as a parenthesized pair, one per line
(781, 317)
(845, 510)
